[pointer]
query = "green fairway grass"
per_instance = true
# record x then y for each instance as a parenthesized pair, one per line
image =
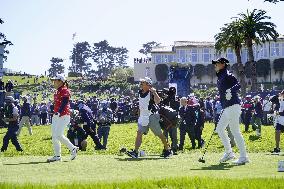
(106, 169)
(109, 169)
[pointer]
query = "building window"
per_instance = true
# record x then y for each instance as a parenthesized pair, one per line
(274, 49)
(181, 56)
(230, 55)
(244, 55)
(206, 55)
(194, 55)
(147, 72)
(164, 58)
(282, 47)
(264, 51)
(158, 59)
(257, 52)
(170, 58)
(188, 55)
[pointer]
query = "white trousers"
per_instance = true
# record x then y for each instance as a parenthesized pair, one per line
(25, 121)
(57, 130)
(230, 116)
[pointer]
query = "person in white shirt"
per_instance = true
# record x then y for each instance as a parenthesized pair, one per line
(267, 105)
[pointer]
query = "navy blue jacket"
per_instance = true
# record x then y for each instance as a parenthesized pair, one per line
(227, 80)
(2, 85)
(258, 110)
(26, 109)
(188, 115)
(87, 116)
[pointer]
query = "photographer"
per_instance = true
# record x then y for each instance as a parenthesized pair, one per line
(171, 101)
(12, 120)
(76, 134)
(104, 122)
(89, 125)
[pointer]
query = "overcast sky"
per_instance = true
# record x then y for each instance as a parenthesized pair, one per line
(42, 29)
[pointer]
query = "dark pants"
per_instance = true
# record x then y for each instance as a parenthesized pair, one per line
(189, 129)
(247, 120)
(11, 135)
(43, 118)
(265, 121)
(216, 119)
(198, 136)
(103, 132)
(120, 117)
(173, 135)
(2, 99)
(93, 135)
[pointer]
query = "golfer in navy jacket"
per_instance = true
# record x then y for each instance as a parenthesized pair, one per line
(228, 88)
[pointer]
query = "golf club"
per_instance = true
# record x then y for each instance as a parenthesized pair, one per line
(202, 160)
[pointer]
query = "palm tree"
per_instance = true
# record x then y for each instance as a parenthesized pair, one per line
(231, 36)
(256, 29)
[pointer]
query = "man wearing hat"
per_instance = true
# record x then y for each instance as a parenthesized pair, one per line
(228, 88)
(149, 117)
(11, 119)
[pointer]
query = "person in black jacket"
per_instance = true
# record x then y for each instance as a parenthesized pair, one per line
(12, 120)
(9, 88)
(187, 123)
(25, 116)
(257, 116)
(171, 101)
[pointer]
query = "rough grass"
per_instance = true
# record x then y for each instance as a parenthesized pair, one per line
(39, 144)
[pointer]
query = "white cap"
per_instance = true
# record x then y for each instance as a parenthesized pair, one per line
(104, 102)
(191, 95)
(256, 97)
(59, 77)
(147, 80)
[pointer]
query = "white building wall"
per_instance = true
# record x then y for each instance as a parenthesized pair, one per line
(266, 51)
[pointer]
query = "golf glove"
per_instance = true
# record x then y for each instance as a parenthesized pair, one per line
(228, 94)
